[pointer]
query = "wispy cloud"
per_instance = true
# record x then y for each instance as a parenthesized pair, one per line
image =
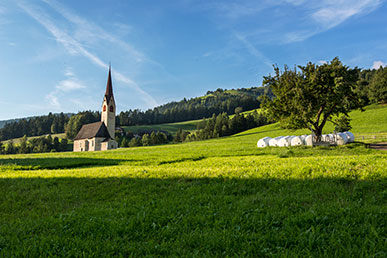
(71, 83)
(378, 64)
(311, 17)
(254, 51)
(88, 31)
(324, 15)
(75, 47)
(332, 13)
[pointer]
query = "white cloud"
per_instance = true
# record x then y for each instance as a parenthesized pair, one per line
(69, 72)
(89, 32)
(378, 64)
(332, 13)
(75, 47)
(321, 62)
(70, 85)
(254, 51)
(53, 100)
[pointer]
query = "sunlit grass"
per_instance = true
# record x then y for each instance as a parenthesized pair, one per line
(220, 197)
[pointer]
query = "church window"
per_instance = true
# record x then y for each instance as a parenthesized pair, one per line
(104, 108)
(111, 108)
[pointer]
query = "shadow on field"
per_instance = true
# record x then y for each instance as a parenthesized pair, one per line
(185, 217)
(58, 162)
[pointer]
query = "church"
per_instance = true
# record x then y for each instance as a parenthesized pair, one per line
(100, 135)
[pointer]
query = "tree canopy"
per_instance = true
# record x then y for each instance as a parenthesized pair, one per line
(378, 86)
(311, 95)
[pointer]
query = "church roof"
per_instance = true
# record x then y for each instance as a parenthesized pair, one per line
(97, 129)
(109, 88)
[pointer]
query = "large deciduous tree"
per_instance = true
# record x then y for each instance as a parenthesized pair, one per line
(311, 95)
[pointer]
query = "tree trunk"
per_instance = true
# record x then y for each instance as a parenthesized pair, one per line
(317, 134)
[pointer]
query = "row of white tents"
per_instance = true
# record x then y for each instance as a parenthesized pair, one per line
(284, 141)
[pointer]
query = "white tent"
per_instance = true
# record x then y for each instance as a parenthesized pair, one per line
(283, 142)
(273, 141)
(264, 142)
(296, 141)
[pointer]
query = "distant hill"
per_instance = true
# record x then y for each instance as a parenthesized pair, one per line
(33, 126)
(214, 102)
(4, 122)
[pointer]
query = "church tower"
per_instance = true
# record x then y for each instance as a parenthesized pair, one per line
(108, 115)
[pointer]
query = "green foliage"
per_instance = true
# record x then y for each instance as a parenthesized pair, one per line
(135, 142)
(312, 95)
(215, 102)
(36, 145)
(223, 125)
(378, 86)
(34, 126)
(75, 123)
(343, 123)
(145, 140)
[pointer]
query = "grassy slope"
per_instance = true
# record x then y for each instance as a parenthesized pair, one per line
(17, 140)
(210, 198)
(172, 128)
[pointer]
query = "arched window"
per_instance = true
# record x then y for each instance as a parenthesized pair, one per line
(111, 108)
(104, 108)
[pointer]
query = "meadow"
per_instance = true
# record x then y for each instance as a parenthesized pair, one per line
(171, 128)
(220, 197)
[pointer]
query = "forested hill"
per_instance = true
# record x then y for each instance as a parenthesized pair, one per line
(4, 122)
(214, 102)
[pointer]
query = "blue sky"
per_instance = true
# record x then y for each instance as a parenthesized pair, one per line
(55, 54)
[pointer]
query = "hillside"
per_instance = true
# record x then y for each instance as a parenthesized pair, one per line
(216, 102)
(206, 198)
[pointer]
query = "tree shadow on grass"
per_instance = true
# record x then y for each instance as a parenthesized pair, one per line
(58, 163)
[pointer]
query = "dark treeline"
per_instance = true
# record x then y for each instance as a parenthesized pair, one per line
(35, 145)
(223, 125)
(214, 102)
(143, 139)
(36, 126)
(372, 85)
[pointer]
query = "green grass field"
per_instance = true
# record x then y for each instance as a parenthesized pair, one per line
(172, 128)
(220, 197)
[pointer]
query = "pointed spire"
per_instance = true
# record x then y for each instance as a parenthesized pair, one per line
(109, 87)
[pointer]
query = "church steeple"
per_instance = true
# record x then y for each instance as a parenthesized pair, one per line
(109, 87)
(108, 115)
